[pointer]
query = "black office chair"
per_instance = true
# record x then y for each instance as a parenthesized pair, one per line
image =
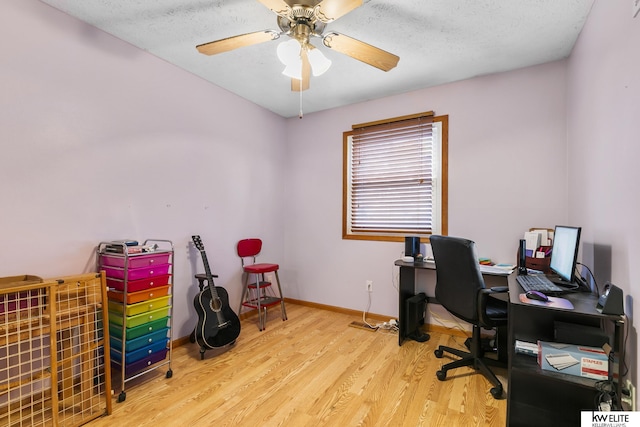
(460, 289)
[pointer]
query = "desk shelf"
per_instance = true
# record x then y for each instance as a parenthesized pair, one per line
(540, 397)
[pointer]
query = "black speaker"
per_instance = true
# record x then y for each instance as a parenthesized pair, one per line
(610, 302)
(415, 311)
(411, 246)
(522, 257)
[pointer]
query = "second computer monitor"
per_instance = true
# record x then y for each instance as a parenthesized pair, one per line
(564, 254)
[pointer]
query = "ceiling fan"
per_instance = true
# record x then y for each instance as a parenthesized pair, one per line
(300, 21)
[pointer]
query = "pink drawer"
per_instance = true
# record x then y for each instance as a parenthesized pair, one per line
(139, 285)
(137, 273)
(136, 261)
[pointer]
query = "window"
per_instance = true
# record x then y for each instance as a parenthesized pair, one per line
(395, 178)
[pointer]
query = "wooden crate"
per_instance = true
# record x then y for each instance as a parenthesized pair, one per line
(54, 351)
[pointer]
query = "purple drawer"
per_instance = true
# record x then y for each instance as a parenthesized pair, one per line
(136, 261)
(139, 285)
(137, 273)
(140, 365)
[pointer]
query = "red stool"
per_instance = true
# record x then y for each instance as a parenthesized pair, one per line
(259, 294)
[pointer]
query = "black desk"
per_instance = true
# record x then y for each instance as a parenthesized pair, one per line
(407, 289)
(537, 397)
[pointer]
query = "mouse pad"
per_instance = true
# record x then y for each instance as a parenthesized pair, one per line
(554, 302)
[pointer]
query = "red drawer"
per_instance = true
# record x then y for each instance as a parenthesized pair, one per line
(136, 261)
(139, 285)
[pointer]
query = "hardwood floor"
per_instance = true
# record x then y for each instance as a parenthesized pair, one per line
(311, 370)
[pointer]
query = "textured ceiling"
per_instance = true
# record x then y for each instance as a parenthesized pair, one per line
(438, 41)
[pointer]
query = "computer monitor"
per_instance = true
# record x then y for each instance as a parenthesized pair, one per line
(564, 253)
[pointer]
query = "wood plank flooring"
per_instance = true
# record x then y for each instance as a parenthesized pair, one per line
(311, 370)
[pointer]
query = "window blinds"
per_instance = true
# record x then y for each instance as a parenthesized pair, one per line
(392, 177)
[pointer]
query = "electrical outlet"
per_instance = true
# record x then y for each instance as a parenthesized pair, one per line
(632, 394)
(369, 284)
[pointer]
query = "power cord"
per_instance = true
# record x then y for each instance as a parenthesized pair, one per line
(592, 277)
(606, 397)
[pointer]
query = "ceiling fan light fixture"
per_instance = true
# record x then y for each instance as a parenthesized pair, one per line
(289, 52)
(294, 70)
(319, 63)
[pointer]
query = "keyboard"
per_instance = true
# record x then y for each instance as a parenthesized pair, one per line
(538, 282)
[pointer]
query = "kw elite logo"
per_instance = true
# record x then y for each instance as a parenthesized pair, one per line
(609, 419)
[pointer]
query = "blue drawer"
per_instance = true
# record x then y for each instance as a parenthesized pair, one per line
(138, 343)
(139, 354)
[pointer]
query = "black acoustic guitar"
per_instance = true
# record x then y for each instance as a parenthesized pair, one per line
(218, 325)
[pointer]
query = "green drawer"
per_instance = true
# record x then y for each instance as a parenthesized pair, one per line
(140, 307)
(138, 331)
(139, 319)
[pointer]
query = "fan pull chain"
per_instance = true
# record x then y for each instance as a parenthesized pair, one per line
(300, 114)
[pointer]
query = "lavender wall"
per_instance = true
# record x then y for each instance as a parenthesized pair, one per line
(603, 114)
(507, 173)
(103, 141)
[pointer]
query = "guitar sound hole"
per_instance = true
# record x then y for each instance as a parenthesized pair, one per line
(215, 304)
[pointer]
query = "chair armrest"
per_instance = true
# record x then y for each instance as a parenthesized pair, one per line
(492, 313)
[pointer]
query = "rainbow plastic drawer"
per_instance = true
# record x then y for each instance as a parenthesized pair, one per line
(139, 308)
(137, 273)
(139, 354)
(136, 261)
(138, 343)
(135, 367)
(137, 331)
(139, 296)
(139, 319)
(139, 285)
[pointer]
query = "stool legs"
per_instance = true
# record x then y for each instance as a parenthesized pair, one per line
(282, 309)
(261, 301)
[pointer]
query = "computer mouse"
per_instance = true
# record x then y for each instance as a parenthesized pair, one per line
(537, 295)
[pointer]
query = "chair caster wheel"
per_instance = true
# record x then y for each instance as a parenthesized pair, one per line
(169, 373)
(439, 353)
(442, 375)
(122, 396)
(496, 392)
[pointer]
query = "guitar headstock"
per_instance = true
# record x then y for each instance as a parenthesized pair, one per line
(197, 242)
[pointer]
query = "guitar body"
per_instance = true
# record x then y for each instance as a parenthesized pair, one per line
(218, 325)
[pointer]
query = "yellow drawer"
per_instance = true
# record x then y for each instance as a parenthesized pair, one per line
(140, 307)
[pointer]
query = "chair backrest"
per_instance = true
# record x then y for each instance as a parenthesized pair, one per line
(458, 274)
(249, 247)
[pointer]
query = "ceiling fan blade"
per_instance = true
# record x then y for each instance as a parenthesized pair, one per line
(279, 7)
(330, 10)
(306, 73)
(230, 43)
(361, 51)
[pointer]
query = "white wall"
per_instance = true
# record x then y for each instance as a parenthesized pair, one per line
(603, 117)
(102, 141)
(507, 157)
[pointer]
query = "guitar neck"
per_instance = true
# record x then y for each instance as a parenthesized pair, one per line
(198, 244)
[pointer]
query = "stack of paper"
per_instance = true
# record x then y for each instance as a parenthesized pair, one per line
(561, 361)
(533, 242)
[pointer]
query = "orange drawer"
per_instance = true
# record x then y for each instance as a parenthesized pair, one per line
(134, 297)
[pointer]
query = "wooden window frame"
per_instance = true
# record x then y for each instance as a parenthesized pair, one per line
(443, 182)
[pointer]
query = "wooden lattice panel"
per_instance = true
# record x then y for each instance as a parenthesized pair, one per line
(34, 379)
